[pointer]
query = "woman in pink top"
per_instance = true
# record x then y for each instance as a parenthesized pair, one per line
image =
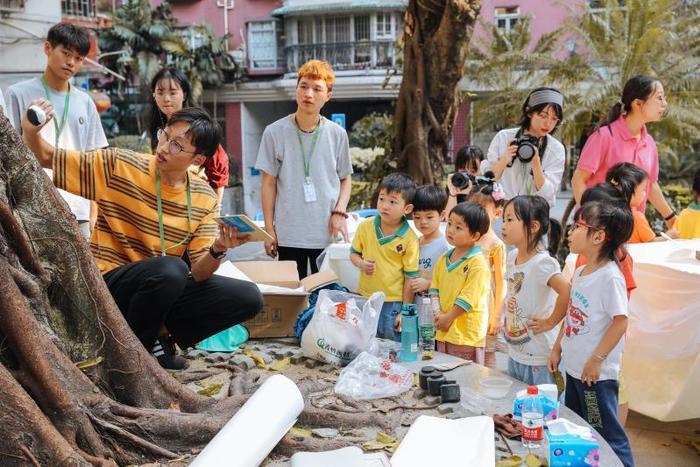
(623, 137)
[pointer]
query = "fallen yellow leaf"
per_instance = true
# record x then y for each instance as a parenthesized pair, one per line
(280, 365)
(90, 362)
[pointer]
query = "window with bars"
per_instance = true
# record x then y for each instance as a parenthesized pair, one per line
(507, 18)
(384, 26)
(80, 8)
(263, 45)
(346, 41)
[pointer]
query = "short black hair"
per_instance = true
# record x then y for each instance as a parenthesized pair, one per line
(469, 157)
(626, 177)
(430, 198)
(616, 222)
(205, 132)
(400, 183)
(474, 216)
(70, 36)
(604, 192)
(696, 184)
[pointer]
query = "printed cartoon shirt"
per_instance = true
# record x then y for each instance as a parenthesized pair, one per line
(395, 256)
(528, 296)
(596, 299)
(466, 283)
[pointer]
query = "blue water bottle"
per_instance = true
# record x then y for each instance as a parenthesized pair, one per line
(409, 333)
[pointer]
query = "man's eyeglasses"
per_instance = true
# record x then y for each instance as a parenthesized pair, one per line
(173, 146)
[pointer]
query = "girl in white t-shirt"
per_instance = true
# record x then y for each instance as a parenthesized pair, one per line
(590, 341)
(536, 292)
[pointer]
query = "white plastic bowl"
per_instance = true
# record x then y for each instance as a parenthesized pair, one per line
(495, 387)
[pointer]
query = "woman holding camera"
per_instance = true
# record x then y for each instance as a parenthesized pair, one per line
(528, 160)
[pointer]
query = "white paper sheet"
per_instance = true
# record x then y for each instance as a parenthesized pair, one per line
(227, 269)
(256, 428)
(464, 441)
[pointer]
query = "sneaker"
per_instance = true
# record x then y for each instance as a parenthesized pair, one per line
(165, 353)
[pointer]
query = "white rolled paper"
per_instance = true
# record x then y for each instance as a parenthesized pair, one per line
(257, 427)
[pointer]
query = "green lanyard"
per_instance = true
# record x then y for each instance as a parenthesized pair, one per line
(307, 159)
(66, 105)
(161, 229)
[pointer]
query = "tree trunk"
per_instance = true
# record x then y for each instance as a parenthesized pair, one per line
(436, 40)
(56, 311)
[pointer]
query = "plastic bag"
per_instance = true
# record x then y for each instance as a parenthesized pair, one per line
(342, 326)
(227, 340)
(369, 377)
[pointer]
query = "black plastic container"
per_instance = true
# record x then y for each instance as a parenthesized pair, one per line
(434, 383)
(423, 375)
(449, 392)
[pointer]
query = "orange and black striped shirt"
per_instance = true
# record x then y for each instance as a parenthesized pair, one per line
(123, 183)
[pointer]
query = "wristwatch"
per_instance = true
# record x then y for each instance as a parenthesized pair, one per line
(216, 255)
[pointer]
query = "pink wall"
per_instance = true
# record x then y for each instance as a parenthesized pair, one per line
(546, 15)
(200, 11)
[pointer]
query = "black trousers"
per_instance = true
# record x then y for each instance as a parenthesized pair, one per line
(160, 291)
(302, 256)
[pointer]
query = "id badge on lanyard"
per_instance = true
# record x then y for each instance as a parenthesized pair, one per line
(309, 191)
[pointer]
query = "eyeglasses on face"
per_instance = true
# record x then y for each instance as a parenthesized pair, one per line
(173, 146)
(549, 117)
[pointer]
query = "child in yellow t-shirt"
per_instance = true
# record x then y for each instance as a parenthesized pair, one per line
(385, 250)
(489, 195)
(462, 284)
(688, 223)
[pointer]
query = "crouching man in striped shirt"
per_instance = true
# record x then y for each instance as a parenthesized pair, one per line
(156, 241)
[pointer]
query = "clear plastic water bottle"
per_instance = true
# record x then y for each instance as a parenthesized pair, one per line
(426, 327)
(409, 334)
(533, 419)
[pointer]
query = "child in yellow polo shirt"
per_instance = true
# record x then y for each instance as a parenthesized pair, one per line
(462, 283)
(385, 250)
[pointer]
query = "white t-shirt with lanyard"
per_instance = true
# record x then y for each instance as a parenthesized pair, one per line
(76, 122)
(518, 180)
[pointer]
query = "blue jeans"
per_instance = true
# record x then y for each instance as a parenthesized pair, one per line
(530, 375)
(385, 327)
(597, 404)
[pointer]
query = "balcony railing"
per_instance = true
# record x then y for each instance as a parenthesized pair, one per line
(363, 55)
(12, 6)
(78, 8)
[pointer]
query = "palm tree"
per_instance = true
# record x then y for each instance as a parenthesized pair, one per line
(502, 68)
(659, 38)
(150, 38)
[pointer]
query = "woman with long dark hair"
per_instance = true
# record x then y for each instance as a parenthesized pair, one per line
(527, 159)
(623, 137)
(171, 92)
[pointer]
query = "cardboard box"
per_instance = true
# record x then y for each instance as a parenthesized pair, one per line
(280, 307)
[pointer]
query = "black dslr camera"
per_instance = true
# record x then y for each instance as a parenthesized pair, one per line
(461, 180)
(526, 148)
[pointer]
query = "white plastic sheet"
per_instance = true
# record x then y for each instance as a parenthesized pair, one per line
(433, 441)
(256, 428)
(661, 363)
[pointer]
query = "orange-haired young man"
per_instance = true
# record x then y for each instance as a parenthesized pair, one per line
(306, 168)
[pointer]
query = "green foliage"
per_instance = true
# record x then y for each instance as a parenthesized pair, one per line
(502, 69)
(149, 39)
(132, 142)
(653, 37)
(679, 196)
(659, 38)
(373, 131)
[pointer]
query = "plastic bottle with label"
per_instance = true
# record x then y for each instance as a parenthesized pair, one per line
(409, 334)
(533, 419)
(426, 326)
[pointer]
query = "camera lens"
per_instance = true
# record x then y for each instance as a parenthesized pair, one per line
(460, 180)
(526, 151)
